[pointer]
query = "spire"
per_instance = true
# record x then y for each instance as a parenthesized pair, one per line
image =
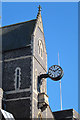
(39, 11)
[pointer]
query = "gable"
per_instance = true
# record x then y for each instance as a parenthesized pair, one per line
(17, 35)
(38, 31)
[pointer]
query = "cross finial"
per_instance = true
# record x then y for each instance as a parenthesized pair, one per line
(39, 8)
(39, 11)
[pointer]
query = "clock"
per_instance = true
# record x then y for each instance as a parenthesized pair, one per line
(55, 72)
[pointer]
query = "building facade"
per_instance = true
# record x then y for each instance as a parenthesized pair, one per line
(24, 60)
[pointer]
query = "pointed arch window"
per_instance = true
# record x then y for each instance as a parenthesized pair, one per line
(17, 77)
(40, 48)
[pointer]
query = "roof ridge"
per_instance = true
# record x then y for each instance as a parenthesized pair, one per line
(17, 23)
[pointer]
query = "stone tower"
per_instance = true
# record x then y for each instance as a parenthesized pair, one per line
(24, 59)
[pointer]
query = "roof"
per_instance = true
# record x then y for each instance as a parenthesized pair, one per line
(17, 35)
(64, 114)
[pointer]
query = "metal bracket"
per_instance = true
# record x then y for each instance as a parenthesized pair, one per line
(42, 76)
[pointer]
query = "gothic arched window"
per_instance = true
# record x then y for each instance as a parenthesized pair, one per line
(40, 48)
(17, 77)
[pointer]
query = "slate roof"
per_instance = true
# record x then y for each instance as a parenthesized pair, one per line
(66, 114)
(17, 35)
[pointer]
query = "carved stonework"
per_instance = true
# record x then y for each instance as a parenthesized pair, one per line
(42, 100)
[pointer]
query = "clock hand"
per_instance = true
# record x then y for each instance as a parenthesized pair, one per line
(56, 69)
(52, 69)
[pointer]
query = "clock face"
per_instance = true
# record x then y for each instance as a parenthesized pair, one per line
(55, 72)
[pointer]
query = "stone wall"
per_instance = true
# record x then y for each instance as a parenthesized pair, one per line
(17, 101)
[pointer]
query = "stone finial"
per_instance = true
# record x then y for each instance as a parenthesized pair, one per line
(39, 8)
(39, 11)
